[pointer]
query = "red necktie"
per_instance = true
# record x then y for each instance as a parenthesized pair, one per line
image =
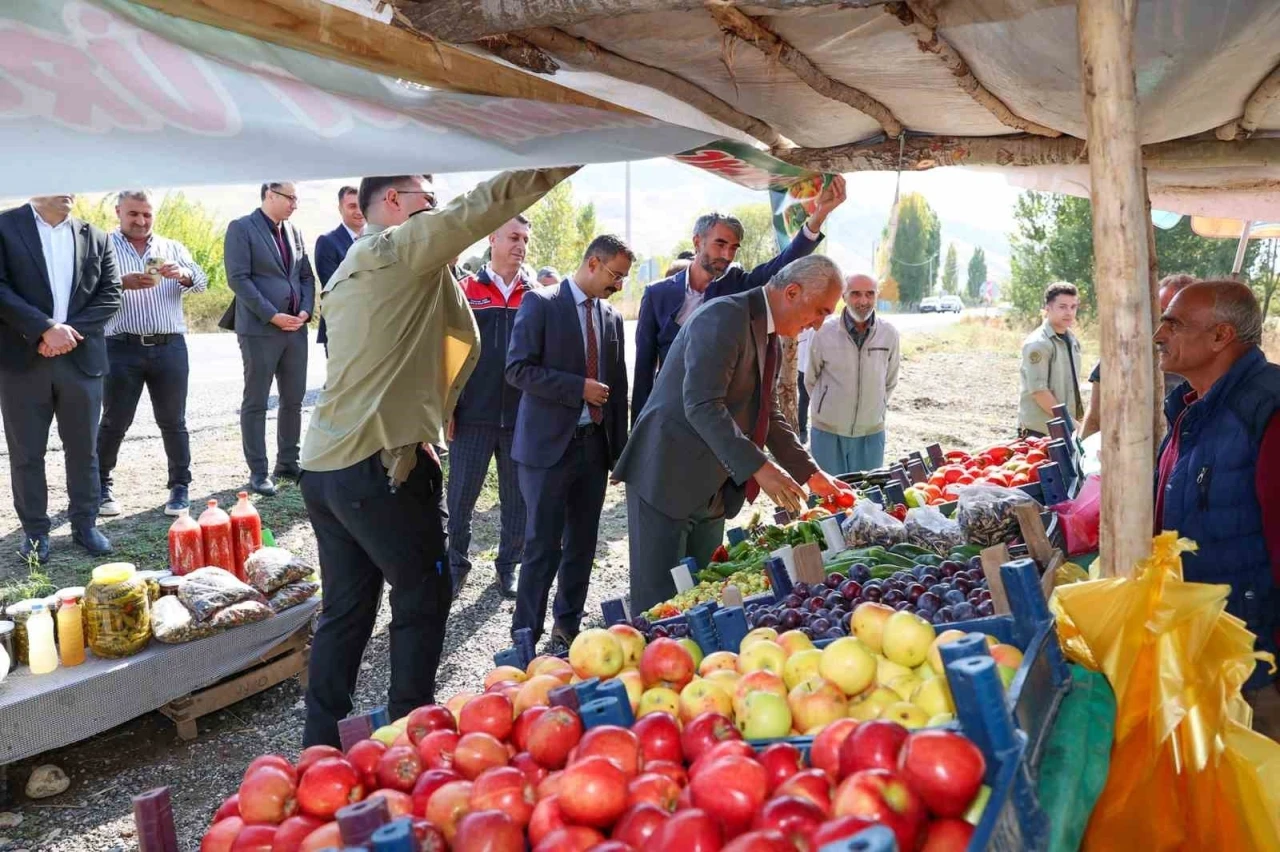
(283, 245)
(593, 357)
(761, 430)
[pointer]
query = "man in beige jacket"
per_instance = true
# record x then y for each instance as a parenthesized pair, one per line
(405, 342)
(852, 371)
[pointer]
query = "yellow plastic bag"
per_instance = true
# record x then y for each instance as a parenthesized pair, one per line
(1186, 770)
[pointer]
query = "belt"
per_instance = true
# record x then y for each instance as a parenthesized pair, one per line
(586, 431)
(145, 339)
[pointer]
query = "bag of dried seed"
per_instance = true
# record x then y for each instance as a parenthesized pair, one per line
(871, 526)
(269, 568)
(928, 527)
(985, 513)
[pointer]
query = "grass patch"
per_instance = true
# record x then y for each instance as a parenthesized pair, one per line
(991, 334)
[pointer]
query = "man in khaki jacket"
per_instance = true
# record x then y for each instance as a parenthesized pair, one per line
(1051, 363)
(405, 342)
(851, 373)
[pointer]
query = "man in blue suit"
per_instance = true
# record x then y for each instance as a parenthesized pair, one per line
(666, 304)
(566, 356)
(332, 247)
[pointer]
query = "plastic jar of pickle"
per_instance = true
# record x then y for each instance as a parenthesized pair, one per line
(18, 613)
(152, 579)
(119, 611)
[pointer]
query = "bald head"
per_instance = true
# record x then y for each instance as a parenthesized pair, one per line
(803, 293)
(860, 295)
(1206, 328)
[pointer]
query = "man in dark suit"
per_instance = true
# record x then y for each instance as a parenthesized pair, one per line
(697, 449)
(567, 358)
(58, 287)
(666, 305)
(332, 247)
(269, 271)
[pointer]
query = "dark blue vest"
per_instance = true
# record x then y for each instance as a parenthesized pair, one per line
(1212, 497)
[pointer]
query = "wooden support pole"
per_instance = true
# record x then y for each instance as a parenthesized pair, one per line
(1153, 265)
(1122, 274)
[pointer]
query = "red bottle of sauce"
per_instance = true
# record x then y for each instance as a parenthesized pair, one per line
(186, 544)
(215, 529)
(246, 531)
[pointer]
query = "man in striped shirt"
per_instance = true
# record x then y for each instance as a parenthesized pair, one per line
(146, 347)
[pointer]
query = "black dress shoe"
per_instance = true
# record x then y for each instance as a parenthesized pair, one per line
(39, 544)
(92, 540)
(459, 580)
(507, 584)
(262, 485)
(292, 472)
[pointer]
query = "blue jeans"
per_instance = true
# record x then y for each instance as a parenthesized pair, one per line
(837, 454)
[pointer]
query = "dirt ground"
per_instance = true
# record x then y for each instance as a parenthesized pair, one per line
(959, 388)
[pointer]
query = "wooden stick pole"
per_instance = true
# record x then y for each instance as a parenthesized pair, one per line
(1157, 375)
(1123, 276)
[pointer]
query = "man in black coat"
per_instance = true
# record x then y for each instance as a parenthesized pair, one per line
(58, 287)
(332, 247)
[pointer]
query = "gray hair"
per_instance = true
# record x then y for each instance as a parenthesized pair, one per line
(133, 195)
(707, 221)
(1236, 305)
(810, 272)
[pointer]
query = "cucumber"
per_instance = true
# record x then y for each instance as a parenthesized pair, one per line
(910, 550)
(895, 559)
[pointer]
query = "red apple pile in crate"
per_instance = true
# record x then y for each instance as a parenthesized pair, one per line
(502, 771)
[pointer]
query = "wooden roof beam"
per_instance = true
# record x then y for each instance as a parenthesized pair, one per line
(462, 21)
(590, 56)
(519, 52)
(750, 30)
(919, 20)
(1255, 108)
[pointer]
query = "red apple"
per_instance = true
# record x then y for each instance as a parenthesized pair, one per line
(221, 835)
(399, 804)
(230, 807)
(267, 795)
(478, 751)
(504, 788)
(276, 760)
(667, 663)
(553, 735)
(640, 823)
(824, 753)
(673, 770)
(725, 748)
(839, 830)
(254, 838)
(550, 786)
(324, 837)
(426, 719)
(311, 754)
(522, 725)
(546, 818)
(430, 838)
(399, 768)
(293, 831)
(883, 796)
(593, 792)
(427, 783)
(691, 830)
(685, 802)
(490, 713)
(947, 835)
(780, 762)
(364, 756)
(944, 768)
(448, 805)
(533, 771)
(872, 745)
(654, 789)
(328, 784)
(659, 735)
(795, 817)
(571, 838)
(488, 831)
(764, 840)
(813, 785)
(704, 732)
(437, 749)
(731, 789)
(619, 745)
(612, 846)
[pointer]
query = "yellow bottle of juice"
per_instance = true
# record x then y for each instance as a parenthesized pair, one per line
(41, 652)
(70, 632)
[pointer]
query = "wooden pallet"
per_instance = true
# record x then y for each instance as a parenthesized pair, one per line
(282, 662)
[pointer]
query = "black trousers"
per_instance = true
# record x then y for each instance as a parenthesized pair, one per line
(282, 357)
(564, 503)
(367, 534)
(163, 370)
(803, 408)
(29, 401)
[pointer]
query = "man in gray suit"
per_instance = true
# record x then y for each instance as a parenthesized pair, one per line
(269, 271)
(697, 449)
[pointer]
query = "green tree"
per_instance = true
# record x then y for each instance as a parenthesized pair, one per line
(561, 230)
(1180, 249)
(950, 271)
(977, 274)
(916, 247)
(758, 241)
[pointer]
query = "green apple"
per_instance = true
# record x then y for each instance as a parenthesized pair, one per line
(979, 804)
(764, 716)
(387, 734)
(1006, 675)
(694, 649)
(907, 638)
(847, 664)
(801, 666)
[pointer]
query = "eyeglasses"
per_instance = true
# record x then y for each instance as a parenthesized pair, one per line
(618, 277)
(293, 199)
(430, 196)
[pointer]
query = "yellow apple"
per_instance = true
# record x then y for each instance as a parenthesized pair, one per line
(887, 670)
(703, 696)
(801, 666)
(717, 661)
(816, 703)
(760, 680)
(847, 664)
(502, 673)
(869, 706)
(868, 624)
(659, 699)
(905, 714)
(924, 671)
(904, 685)
(726, 679)
(553, 666)
(793, 641)
(764, 716)
(632, 641)
(535, 692)
(762, 654)
(755, 636)
(694, 649)
(387, 734)
(933, 696)
(454, 704)
(635, 687)
(1006, 655)
(906, 638)
(941, 719)
(934, 657)
(596, 652)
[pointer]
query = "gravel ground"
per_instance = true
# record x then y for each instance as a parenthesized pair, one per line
(961, 399)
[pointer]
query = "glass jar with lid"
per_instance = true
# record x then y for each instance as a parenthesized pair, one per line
(119, 611)
(18, 613)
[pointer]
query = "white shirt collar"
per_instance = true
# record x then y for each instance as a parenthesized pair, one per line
(40, 219)
(768, 312)
(355, 235)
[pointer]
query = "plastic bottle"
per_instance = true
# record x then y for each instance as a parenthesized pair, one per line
(40, 648)
(186, 544)
(246, 531)
(70, 632)
(215, 530)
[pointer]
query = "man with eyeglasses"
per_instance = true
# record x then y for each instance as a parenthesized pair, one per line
(404, 343)
(270, 273)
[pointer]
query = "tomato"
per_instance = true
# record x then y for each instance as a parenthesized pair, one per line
(845, 499)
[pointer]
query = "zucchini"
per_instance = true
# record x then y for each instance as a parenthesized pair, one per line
(910, 550)
(895, 559)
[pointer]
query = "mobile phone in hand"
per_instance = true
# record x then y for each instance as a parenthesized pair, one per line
(153, 270)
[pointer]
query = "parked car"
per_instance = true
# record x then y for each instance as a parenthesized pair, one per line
(930, 304)
(950, 303)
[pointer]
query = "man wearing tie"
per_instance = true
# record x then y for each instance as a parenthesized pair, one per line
(567, 358)
(697, 450)
(332, 247)
(269, 271)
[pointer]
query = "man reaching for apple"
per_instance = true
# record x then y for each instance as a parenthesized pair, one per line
(697, 450)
